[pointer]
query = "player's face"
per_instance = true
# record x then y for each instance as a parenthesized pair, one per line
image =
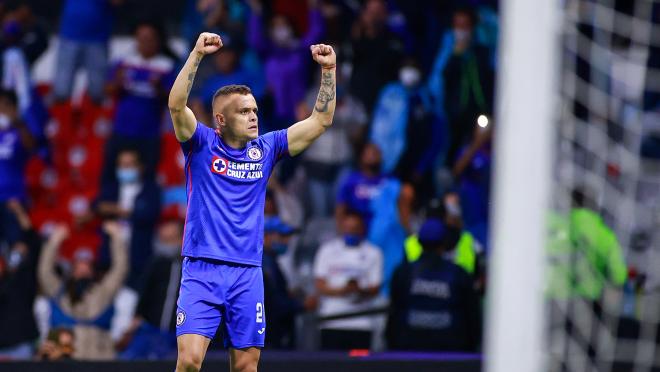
(241, 117)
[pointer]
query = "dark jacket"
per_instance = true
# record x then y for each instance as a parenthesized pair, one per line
(159, 292)
(143, 220)
(433, 306)
(281, 307)
(17, 292)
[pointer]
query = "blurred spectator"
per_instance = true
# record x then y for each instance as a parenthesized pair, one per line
(403, 124)
(360, 187)
(377, 53)
(584, 254)
(462, 80)
(16, 77)
(348, 272)
(471, 175)
(140, 82)
(152, 332)
(227, 70)
(218, 16)
(463, 248)
(286, 58)
(419, 141)
(135, 202)
(82, 300)
(18, 288)
(282, 305)
(34, 38)
(283, 204)
(392, 210)
(327, 158)
(85, 27)
(16, 142)
(15, 67)
(433, 305)
(58, 346)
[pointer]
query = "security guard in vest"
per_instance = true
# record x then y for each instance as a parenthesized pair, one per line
(466, 249)
(433, 303)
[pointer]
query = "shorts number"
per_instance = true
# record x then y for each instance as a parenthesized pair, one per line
(260, 312)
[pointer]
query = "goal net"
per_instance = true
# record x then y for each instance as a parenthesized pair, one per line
(576, 261)
(602, 309)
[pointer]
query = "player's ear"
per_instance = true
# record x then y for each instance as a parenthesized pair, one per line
(219, 123)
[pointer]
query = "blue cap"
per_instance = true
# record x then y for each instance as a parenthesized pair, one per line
(432, 231)
(275, 224)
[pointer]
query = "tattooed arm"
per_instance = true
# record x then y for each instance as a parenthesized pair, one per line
(303, 133)
(182, 117)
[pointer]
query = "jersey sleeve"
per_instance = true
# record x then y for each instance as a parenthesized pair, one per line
(199, 138)
(278, 142)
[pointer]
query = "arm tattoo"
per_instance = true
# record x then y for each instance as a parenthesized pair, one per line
(191, 75)
(326, 93)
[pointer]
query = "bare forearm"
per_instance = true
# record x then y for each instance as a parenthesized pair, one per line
(184, 82)
(324, 108)
(117, 273)
(48, 280)
(303, 133)
(323, 289)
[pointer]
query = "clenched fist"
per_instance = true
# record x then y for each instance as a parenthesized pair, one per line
(324, 55)
(208, 43)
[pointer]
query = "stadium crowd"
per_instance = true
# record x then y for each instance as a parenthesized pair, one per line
(387, 210)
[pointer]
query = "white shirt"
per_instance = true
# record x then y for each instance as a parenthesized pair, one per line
(337, 264)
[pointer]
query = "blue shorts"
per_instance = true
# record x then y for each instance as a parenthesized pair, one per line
(217, 293)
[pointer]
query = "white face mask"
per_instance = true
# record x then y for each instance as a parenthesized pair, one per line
(282, 35)
(409, 76)
(462, 35)
(4, 121)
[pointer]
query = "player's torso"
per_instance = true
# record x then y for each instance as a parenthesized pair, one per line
(226, 194)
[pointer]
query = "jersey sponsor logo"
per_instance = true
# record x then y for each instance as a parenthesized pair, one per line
(255, 153)
(262, 330)
(180, 317)
(219, 165)
(238, 170)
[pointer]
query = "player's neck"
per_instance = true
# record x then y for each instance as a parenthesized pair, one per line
(233, 142)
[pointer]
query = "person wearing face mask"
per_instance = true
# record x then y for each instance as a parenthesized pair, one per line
(461, 81)
(360, 187)
(282, 305)
(377, 52)
(152, 330)
(404, 124)
(16, 144)
(348, 274)
(18, 288)
(285, 57)
(82, 300)
(135, 202)
(140, 83)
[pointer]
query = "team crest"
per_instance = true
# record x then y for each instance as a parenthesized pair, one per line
(254, 153)
(180, 318)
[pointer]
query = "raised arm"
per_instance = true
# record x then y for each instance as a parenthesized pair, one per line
(303, 133)
(182, 117)
(48, 279)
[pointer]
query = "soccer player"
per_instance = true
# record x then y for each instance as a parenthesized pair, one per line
(227, 168)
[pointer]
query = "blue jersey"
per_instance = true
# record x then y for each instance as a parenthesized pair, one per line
(226, 191)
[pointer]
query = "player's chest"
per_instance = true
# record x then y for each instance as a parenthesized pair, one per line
(249, 167)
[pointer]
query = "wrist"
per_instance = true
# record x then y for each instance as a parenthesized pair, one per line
(330, 67)
(197, 53)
